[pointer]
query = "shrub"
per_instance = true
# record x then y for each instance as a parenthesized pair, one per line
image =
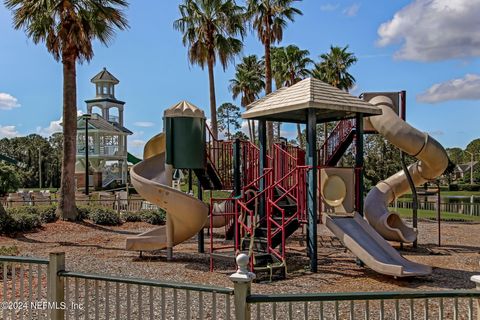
(156, 217)
(5, 222)
(83, 212)
(453, 187)
(22, 219)
(468, 187)
(104, 216)
(47, 213)
(131, 217)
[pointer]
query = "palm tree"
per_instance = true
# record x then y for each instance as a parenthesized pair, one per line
(290, 65)
(210, 28)
(68, 28)
(333, 68)
(269, 18)
(248, 82)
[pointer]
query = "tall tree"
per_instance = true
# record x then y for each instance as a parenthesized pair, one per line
(249, 83)
(228, 117)
(68, 27)
(269, 18)
(333, 68)
(210, 29)
(289, 65)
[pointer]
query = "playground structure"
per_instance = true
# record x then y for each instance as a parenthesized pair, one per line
(277, 192)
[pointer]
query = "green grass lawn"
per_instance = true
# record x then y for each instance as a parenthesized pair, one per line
(445, 216)
(456, 193)
(460, 193)
(206, 194)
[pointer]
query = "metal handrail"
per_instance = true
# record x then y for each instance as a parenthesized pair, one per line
(23, 260)
(146, 282)
(349, 296)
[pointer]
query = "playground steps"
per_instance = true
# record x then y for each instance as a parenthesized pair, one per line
(267, 264)
(337, 142)
(209, 178)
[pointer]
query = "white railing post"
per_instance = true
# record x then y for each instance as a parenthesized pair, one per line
(56, 286)
(242, 280)
(476, 279)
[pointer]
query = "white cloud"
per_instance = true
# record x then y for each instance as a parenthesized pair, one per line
(432, 30)
(144, 124)
(436, 133)
(8, 132)
(53, 127)
(137, 143)
(8, 102)
(329, 7)
(466, 88)
(351, 11)
(288, 134)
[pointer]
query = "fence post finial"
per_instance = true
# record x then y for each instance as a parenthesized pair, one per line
(242, 280)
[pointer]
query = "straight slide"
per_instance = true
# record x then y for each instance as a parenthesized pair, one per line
(372, 249)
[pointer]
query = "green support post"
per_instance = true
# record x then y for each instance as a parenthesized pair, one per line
(312, 187)
(201, 234)
(237, 183)
(262, 137)
(359, 161)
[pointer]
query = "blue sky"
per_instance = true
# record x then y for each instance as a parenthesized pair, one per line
(430, 48)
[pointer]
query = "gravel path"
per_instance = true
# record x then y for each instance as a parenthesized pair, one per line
(97, 249)
(100, 250)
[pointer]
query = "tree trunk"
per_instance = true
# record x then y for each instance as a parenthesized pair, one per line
(213, 103)
(268, 87)
(66, 203)
(2, 210)
(299, 136)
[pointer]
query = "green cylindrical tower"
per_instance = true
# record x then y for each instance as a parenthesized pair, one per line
(185, 132)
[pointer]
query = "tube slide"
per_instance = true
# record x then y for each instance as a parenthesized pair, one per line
(432, 163)
(152, 179)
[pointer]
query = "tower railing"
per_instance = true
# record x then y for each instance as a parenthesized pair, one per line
(220, 155)
(335, 140)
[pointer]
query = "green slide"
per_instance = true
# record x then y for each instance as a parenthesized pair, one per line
(132, 159)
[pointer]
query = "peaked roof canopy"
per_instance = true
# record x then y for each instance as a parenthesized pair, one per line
(289, 104)
(96, 122)
(184, 109)
(105, 76)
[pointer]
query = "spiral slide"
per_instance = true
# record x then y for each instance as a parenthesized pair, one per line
(432, 163)
(186, 215)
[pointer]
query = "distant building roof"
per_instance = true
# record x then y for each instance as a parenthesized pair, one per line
(288, 104)
(99, 123)
(463, 167)
(105, 76)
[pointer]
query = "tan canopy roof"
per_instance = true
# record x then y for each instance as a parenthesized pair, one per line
(104, 76)
(184, 109)
(289, 104)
